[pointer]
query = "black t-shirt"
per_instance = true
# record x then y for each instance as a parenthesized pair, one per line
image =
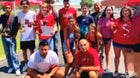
(96, 16)
(13, 25)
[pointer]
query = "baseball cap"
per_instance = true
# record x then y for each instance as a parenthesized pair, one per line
(8, 4)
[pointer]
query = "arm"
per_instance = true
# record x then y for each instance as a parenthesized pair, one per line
(15, 27)
(67, 39)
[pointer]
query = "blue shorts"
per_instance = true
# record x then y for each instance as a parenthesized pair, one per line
(115, 44)
(72, 46)
(136, 48)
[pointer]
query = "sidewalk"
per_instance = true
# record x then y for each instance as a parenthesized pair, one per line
(4, 74)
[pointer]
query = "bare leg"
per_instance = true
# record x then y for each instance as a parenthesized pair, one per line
(117, 57)
(93, 74)
(107, 49)
(25, 56)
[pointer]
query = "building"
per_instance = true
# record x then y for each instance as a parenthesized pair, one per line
(116, 3)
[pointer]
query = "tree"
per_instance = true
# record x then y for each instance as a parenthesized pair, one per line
(89, 2)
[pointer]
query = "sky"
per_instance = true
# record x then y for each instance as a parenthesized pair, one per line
(78, 1)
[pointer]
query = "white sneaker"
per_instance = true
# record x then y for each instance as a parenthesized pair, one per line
(18, 72)
(10, 70)
(106, 71)
(115, 74)
(24, 68)
(127, 75)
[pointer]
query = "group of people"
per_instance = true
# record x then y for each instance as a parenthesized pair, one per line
(80, 36)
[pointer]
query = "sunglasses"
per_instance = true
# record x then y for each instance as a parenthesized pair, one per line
(7, 8)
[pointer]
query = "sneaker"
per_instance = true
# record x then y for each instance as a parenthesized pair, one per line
(115, 74)
(106, 71)
(24, 68)
(127, 75)
(18, 72)
(10, 70)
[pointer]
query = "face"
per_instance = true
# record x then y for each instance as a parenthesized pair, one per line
(71, 23)
(97, 7)
(91, 28)
(24, 5)
(8, 9)
(84, 10)
(44, 50)
(45, 9)
(126, 12)
(83, 45)
(109, 11)
(66, 4)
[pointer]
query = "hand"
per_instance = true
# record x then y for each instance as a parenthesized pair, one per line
(22, 30)
(80, 70)
(77, 75)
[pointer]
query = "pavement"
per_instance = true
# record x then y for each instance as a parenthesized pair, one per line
(4, 68)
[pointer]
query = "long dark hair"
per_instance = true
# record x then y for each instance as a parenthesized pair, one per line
(104, 12)
(121, 13)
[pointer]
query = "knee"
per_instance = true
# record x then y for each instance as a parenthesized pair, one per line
(72, 75)
(27, 76)
(60, 73)
(93, 74)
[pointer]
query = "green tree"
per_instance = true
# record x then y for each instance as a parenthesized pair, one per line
(89, 2)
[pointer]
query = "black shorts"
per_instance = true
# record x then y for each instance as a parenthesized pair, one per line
(136, 48)
(85, 74)
(24, 45)
(105, 40)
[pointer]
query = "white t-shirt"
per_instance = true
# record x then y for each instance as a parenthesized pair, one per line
(43, 64)
(24, 20)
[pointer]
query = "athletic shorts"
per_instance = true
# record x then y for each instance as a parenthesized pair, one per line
(24, 45)
(136, 48)
(85, 74)
(115, 44)
(105, 40)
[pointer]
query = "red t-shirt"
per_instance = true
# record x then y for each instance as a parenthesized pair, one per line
(63, 16)
(123, 33)
(45, 24)
(89, 58)
(136, 29)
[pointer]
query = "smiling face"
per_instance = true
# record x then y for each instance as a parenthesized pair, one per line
(25, 6)
(83, 45)
(97, 7)
(109, 11)
(84, 10)
(71, 22)
(45, 8)
(44, 50)
(125, 12)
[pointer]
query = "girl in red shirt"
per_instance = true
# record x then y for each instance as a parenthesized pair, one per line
(123, 41)
(46, 25)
